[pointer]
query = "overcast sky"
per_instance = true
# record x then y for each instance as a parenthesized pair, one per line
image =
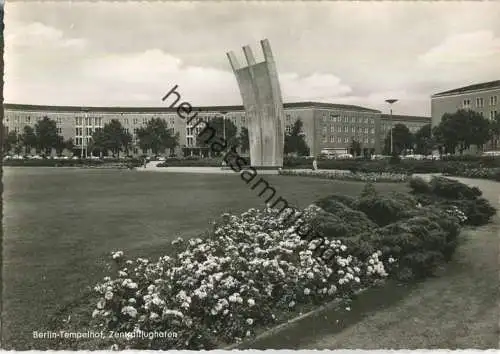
(130, 54)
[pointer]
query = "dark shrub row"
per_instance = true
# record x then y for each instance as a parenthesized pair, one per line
(450, 165)
(420, 230)
(72, 163)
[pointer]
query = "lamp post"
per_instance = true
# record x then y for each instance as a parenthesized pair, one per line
(391, 101)
(224, 124)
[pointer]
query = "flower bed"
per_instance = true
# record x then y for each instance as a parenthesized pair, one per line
(483, 173)
(246, 275)
(257, 269)
(349, 176)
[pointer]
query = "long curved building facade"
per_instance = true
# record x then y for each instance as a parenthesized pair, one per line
(326, 126)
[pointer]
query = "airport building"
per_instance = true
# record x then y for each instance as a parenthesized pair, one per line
(326, 126)
(482, 98)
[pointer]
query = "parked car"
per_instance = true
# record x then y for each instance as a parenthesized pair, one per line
(491, 153)
(344, 156)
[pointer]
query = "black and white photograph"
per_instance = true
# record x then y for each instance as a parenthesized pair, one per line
(231, 175)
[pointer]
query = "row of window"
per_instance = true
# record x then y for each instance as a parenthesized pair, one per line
(480, 102)
(338, 118)
(338, 129)
(97, 121)
(339, 139)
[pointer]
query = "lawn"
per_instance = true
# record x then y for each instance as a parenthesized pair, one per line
(61, 223)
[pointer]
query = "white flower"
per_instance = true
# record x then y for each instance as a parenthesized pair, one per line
(95, 313)
(100, 304)
(121, 273)
(129, 310)
(153, 316)
(357, 280)
(307, 291)
(132, 300)
(250, 321)
(343, 247)
(291, 304)
(251, 302)
(348, 308)
(108, 296)
(248, 333)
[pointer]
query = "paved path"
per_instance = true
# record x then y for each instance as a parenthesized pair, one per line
(152, 167)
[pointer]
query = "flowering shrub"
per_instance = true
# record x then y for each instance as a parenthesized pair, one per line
(456, 197)
(349, 176)
(481, 172)
(244, 275)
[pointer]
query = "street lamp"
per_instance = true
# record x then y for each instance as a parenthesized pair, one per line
(391, 101)
(224, 124)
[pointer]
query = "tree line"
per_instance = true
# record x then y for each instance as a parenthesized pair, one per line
(455, 133)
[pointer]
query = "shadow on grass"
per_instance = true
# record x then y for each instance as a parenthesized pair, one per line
(334, 320)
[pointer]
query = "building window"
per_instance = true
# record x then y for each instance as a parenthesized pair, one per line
(333, 118)
(346, 128)
(288, 129)
(323, 139)
(479, 102)
(373, 141)
(59, 130)
(346, 140)
(493, 100)
(466, 103)
(324, 130)
(324, 117)
(353, 129)
(372, 130)
(493, 114)
(288, 118)
(332, 139)
(339, 139)
(332, 129)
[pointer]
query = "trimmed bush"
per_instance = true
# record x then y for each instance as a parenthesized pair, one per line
(383, 210)
(418, 243)
(344, 199)
(339, 221)
(451, 189)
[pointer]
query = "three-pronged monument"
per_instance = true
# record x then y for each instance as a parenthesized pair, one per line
(261, 95)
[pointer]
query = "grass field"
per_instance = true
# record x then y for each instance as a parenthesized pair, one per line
(61, 223)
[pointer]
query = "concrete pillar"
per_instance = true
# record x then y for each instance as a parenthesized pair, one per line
(261, 95)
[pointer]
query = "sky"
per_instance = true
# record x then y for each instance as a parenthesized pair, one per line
(131, 53)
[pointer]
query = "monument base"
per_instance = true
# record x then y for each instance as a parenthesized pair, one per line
(267, 168)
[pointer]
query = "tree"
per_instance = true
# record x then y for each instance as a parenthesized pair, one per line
(401, 139)
(295, 142)
(46, 135)
(28, 138)
(156, 135)
(98, 143)
(220, 126)
(244, 140)
(60, 145)
(115, 137)
(9, 139)
(495, 130)
(462, 129)
(423, 140)
(69, 144)
(355, 148)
